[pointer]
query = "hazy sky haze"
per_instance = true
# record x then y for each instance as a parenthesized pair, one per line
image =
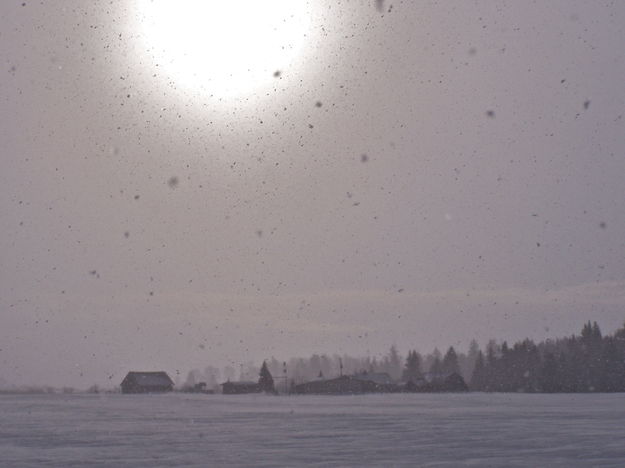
(461, 177)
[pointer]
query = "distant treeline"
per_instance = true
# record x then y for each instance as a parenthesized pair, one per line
(589, 362)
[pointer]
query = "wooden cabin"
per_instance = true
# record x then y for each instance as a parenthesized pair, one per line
(343, 385)
(237, 388)
(147, 382)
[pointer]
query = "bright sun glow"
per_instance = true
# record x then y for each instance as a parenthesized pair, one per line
(223, 48)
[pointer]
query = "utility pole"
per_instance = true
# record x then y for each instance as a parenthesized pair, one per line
(286, 388)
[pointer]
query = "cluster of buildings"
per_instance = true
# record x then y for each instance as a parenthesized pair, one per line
(377, 382)
(363, 382)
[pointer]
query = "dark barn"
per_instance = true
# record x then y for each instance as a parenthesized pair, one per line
(237, 388)
(147, 382)
(343, 385)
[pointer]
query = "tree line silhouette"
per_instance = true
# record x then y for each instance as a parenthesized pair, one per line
(588, 362)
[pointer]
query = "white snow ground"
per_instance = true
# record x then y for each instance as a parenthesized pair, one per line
(482, 430)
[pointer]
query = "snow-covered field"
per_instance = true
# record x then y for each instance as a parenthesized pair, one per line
(261, 431)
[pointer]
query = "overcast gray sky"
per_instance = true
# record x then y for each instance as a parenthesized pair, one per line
(421, 176)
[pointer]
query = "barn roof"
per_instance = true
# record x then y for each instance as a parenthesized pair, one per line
(380, 378)
(149, 379)
(240, 383)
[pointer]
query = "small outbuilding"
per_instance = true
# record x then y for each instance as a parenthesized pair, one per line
(344, 385)
(440, 383)
(237, 388)
(147, 382)
(264, 384)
